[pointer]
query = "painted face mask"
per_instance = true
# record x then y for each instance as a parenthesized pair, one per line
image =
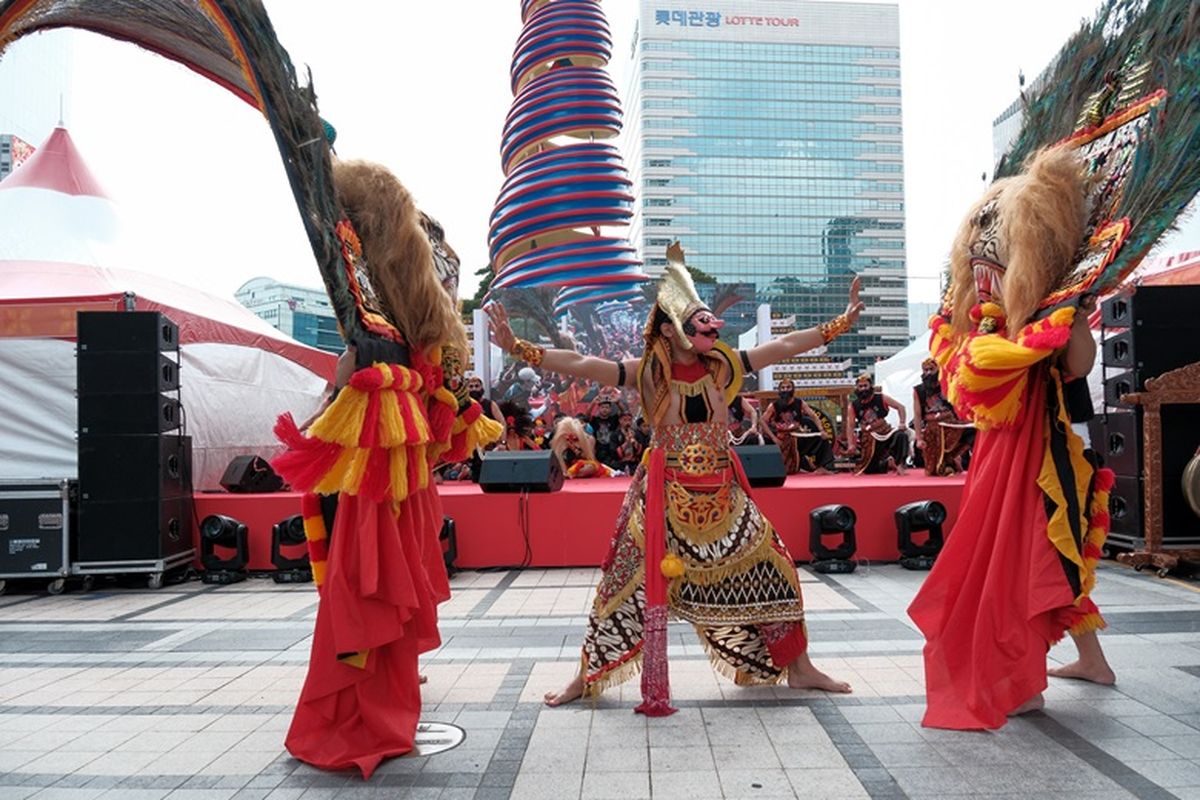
(702, 330)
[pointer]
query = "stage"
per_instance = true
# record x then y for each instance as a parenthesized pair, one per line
(573, 527)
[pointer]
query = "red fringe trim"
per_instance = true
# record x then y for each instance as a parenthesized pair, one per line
(306, 460)
(1105, 480)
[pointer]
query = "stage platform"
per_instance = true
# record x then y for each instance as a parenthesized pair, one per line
(573, 527)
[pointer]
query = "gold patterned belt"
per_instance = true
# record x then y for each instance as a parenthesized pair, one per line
(694, 448)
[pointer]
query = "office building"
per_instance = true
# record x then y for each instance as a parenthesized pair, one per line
(301, 312)
(766, 136)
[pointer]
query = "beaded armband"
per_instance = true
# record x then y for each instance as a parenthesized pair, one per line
(834, 328)
(528, 352)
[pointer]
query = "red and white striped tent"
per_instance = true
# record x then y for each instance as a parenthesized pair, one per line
(62, 250)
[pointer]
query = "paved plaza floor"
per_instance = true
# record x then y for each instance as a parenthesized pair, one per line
(186, 692)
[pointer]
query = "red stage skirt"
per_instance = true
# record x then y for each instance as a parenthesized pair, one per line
(380, 595)
(997, 597)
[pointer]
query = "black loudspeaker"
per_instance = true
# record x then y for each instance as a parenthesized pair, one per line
(1158, 331)
(762, 463)
(523, 470)
(146, 372)
(134, 530)
(1125, 512)
(250, 475)
(142, 467)
(125, 331)
(1116, 438)
(1167, 308)
(128, 413)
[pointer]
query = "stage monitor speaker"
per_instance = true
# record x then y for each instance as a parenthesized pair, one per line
(141, 467)
(128, 413)
(1165, 308)
(762, 463)
(522, 470)
(250, 475)
(133, 372)
(134, 530)
(125, 331)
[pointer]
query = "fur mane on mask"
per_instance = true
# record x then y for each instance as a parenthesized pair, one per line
(398, 254)
(1043, 220)
(563, 428)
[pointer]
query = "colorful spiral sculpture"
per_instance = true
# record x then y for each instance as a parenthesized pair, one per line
(563, 184)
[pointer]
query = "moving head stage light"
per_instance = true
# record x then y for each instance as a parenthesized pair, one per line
(832, 520)
(290, 533)
(217, 530)
(922, 516)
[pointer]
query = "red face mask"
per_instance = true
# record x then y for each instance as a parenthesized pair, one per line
(702, 330)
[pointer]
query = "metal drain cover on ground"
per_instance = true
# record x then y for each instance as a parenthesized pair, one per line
(437, 737)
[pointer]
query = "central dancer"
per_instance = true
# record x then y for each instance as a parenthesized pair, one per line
(689, 537)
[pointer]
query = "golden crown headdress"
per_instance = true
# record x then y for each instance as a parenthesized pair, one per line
(677, 295)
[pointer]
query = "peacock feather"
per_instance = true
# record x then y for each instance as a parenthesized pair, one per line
(232, 43)
(1124, 90)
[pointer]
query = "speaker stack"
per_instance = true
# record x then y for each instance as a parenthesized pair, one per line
(135, 464)
(1144, 333)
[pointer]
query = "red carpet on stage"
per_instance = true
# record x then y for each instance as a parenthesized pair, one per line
(573, 527)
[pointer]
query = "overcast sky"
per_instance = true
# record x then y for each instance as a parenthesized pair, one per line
(423, 88)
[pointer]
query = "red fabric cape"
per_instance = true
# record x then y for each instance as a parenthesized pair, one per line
(997, 596)
(380, 593)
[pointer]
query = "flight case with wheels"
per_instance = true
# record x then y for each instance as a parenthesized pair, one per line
(36, 521)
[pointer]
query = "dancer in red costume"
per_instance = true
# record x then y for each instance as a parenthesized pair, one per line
(401, 405)
(1018, 568)
(690, 539)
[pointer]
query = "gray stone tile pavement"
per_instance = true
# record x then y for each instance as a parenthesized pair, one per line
(187, 692)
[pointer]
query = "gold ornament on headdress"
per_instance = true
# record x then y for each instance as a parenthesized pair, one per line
(677, 293)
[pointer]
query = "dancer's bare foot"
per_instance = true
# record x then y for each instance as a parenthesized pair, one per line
(573, 691)
(1035, 703)
(1100, 673)
(803, 675)
(422, 679)
(1091, 664)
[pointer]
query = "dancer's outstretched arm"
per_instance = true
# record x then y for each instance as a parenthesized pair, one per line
(798, 342)
(564, 362)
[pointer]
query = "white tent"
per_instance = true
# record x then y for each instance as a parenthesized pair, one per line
(61, 251)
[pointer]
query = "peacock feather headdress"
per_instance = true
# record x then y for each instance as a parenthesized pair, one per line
(1124, 92)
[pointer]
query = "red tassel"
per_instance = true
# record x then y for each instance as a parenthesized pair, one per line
(1049, 339)
(310, 505)
(441, 420)
(376, 480)
(1105, 479)
(1091, 551)
(1100, 519)
(656, 683)
(369, 435)
(367, 380)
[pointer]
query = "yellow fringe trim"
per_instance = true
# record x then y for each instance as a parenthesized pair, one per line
(724, 668)
(615, 677)
(1058, 527)
(1091, 622)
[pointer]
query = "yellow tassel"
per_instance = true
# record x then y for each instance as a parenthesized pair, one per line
(614, 677)
(334, 480)
(318, 571)
(392, 432)
(671, 566)
(342, 422)
(399, 472)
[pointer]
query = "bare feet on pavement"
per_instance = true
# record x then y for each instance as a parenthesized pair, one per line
(572, 691)
(803, 675)
(1100, 673)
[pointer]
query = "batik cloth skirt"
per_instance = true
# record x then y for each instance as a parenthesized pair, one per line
(943, 440)
(739, 587)
(876, 448)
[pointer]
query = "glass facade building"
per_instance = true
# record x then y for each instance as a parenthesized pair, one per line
(302, 313)
(766, 136)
